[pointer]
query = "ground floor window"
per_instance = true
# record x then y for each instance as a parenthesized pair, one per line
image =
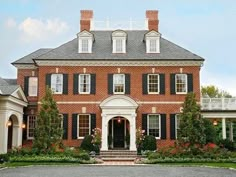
(153, 125)
(31, 121)
(83, 125)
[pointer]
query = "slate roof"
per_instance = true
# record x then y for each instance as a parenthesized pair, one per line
(8, 86)
(102, 50)
(28, 58)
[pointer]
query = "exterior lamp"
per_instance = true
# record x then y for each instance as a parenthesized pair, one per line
(9, 123)
(119, 120)
(23, 126)
(215, 123)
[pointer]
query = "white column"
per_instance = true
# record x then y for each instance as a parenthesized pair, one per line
(133, 133)
(104, 133)
(3, 132)
(231, 131)
(223, 128)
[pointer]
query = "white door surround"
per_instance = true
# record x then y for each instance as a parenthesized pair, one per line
(123, 106)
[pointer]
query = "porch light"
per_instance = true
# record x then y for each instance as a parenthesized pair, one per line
(215, 123)
(9, 123)
(23, 126)
(119, 120)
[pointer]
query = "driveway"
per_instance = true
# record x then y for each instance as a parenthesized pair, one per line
(115, 171)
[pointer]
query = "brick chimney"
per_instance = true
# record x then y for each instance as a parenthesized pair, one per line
(152, 17)
(85, 19)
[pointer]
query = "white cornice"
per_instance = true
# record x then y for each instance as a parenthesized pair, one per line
(25, 66)
(117, 63)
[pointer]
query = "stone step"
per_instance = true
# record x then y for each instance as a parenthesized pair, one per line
(118, 156)
(115, 152)
(118, 159)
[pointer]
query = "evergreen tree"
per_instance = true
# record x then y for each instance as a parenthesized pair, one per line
(48, 130)
(191, 133)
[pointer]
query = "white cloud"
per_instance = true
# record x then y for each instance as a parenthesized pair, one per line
(10, 23)
(37, 29)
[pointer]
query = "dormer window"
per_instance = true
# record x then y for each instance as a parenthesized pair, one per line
(119, 38)
(85, 42)
(152, 40)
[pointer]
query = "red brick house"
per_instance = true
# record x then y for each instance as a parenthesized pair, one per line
(115, 80)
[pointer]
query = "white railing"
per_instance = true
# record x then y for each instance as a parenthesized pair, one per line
(218, 103)
(124, 25)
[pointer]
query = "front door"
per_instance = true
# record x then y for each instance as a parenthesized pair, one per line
(119, 133)
(10, 133)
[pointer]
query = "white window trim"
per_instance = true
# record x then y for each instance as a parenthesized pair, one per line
(159, 125)
(89, 84)
(158, 84)
(29, 93)
(186, 87)
(28, 137)
(114, 85)
(54, 92)
(176, 127)
(123, 44)
(82, 137)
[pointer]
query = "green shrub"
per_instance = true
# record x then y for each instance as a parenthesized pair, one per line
(153, 155)
(226, 143)
(87, 143)
(149, 143)
(4, 158)
(82, 156)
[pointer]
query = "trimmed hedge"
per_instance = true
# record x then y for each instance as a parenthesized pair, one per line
(149, 143)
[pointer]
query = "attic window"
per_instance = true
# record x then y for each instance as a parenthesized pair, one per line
(119, 41)
(152, 40)
(85, 42)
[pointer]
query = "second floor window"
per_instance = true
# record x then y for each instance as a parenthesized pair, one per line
(118, 83)
(33, 86)
(119, 46)
(153, 45)
(84, 83)
(57, 83)
(181, 83)
(153, 83)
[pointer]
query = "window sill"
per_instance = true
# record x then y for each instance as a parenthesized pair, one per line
(80, 138)
(157, 138)
(84, 93)
(153, 93)
(180, 93)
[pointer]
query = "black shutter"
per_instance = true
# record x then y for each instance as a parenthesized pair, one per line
(74, 126)
(93, 123)
(162, 84)
(144, 123)
(127, 83)
(48, 80)
(75, 84)
(65, 126)
(65, 84)
(25, 129)
(110, 83)
(93, 84)
(172, 127)
(26, 85)
(144, 84)
(190, 82)
(172, 84)
(163, 126)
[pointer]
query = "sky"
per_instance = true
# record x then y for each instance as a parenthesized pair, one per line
(204, 27)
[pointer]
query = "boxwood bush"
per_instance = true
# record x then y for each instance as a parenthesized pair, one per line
(149, 143)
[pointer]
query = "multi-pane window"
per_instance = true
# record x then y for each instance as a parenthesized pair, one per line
(153, 83)
(119, 83)
(154, 125)
(83, 125)
(181, 83)
(119, 46)
(153, 45)
(84, 83)
(31, 122)
(84, 45)
(177, 123)
(57, 83)
(33, 86)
